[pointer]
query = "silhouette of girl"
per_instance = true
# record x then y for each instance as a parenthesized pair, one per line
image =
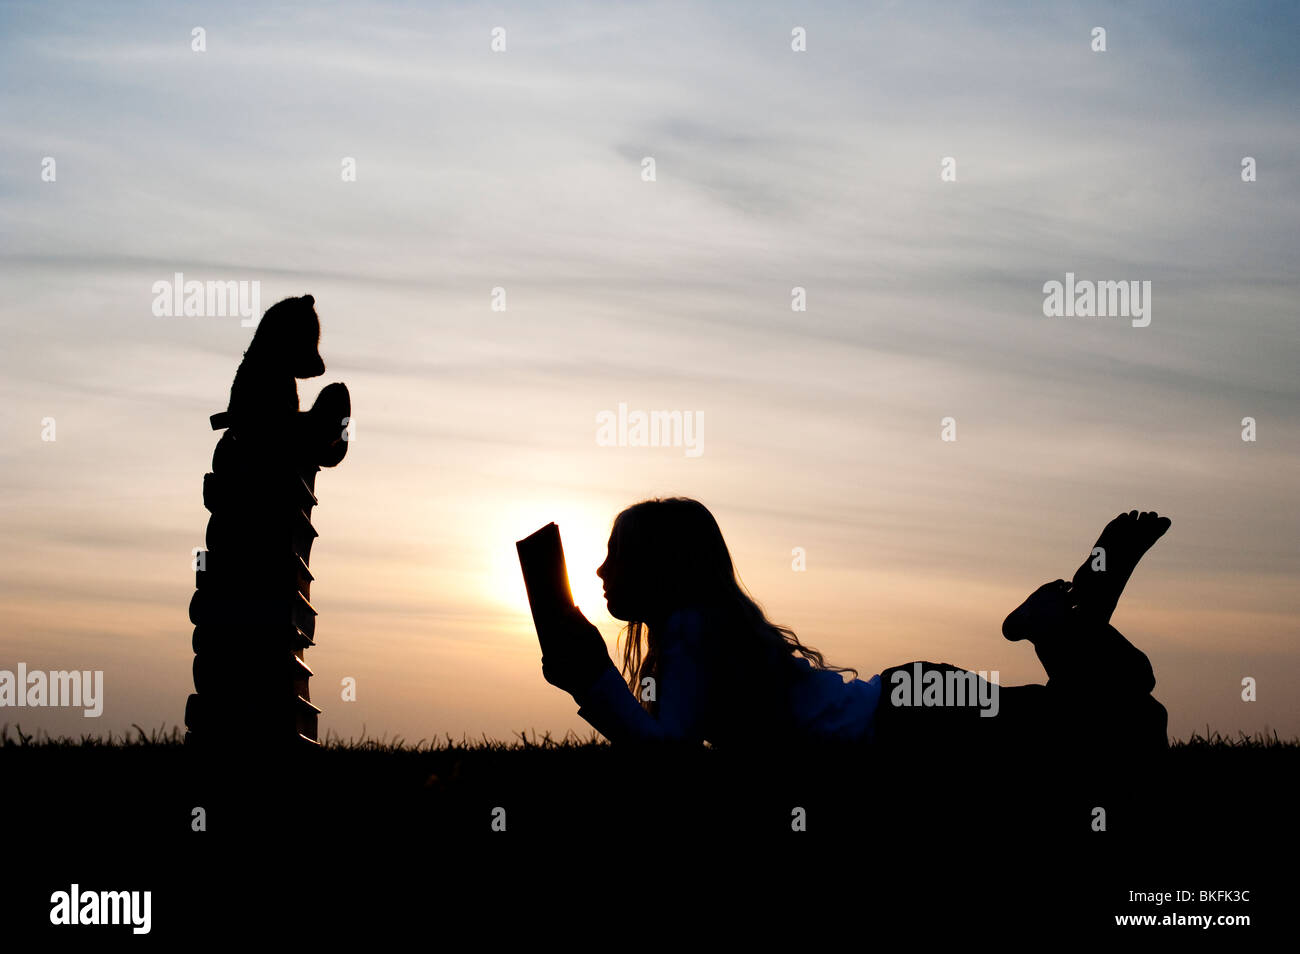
(702, 662)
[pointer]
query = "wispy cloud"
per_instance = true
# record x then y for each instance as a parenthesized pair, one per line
(522, 170)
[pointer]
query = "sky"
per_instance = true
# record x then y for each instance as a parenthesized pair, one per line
(523, 170)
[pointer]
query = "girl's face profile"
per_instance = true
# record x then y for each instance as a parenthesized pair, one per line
(658, 559)
(624, 588)
(612, 575)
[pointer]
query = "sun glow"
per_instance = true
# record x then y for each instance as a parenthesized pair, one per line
(585, 533)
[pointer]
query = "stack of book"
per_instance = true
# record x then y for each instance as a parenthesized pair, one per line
(251, 611)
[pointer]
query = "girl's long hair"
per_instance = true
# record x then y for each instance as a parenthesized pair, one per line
(676, 548)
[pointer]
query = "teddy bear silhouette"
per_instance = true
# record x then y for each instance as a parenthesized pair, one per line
(250, 610)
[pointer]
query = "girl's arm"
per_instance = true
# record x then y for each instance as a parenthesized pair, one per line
(617, 714)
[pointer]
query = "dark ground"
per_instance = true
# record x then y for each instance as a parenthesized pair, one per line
(928, 844)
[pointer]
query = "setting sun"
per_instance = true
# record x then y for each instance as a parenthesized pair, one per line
(585, 533)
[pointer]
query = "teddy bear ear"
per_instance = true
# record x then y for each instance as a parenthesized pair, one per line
(308, 300)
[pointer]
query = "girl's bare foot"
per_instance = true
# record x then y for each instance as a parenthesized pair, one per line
(1045, 612)
(1101, 579)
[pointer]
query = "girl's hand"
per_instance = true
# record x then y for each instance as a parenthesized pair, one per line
(573, 652)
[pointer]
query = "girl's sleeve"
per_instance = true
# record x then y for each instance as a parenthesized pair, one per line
(609, 706)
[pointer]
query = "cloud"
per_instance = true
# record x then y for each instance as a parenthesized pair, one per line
(775, 169)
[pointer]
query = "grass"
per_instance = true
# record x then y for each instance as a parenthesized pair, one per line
(384, 814)
(1216, 740)
(541, 768)
(1233, 788)
(162, 737)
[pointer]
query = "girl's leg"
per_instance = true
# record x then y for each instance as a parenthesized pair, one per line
(1069, 623)
(1062, 718)
(1076, 648)
(957, 711)
(1100, 683)
(1101, 578)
